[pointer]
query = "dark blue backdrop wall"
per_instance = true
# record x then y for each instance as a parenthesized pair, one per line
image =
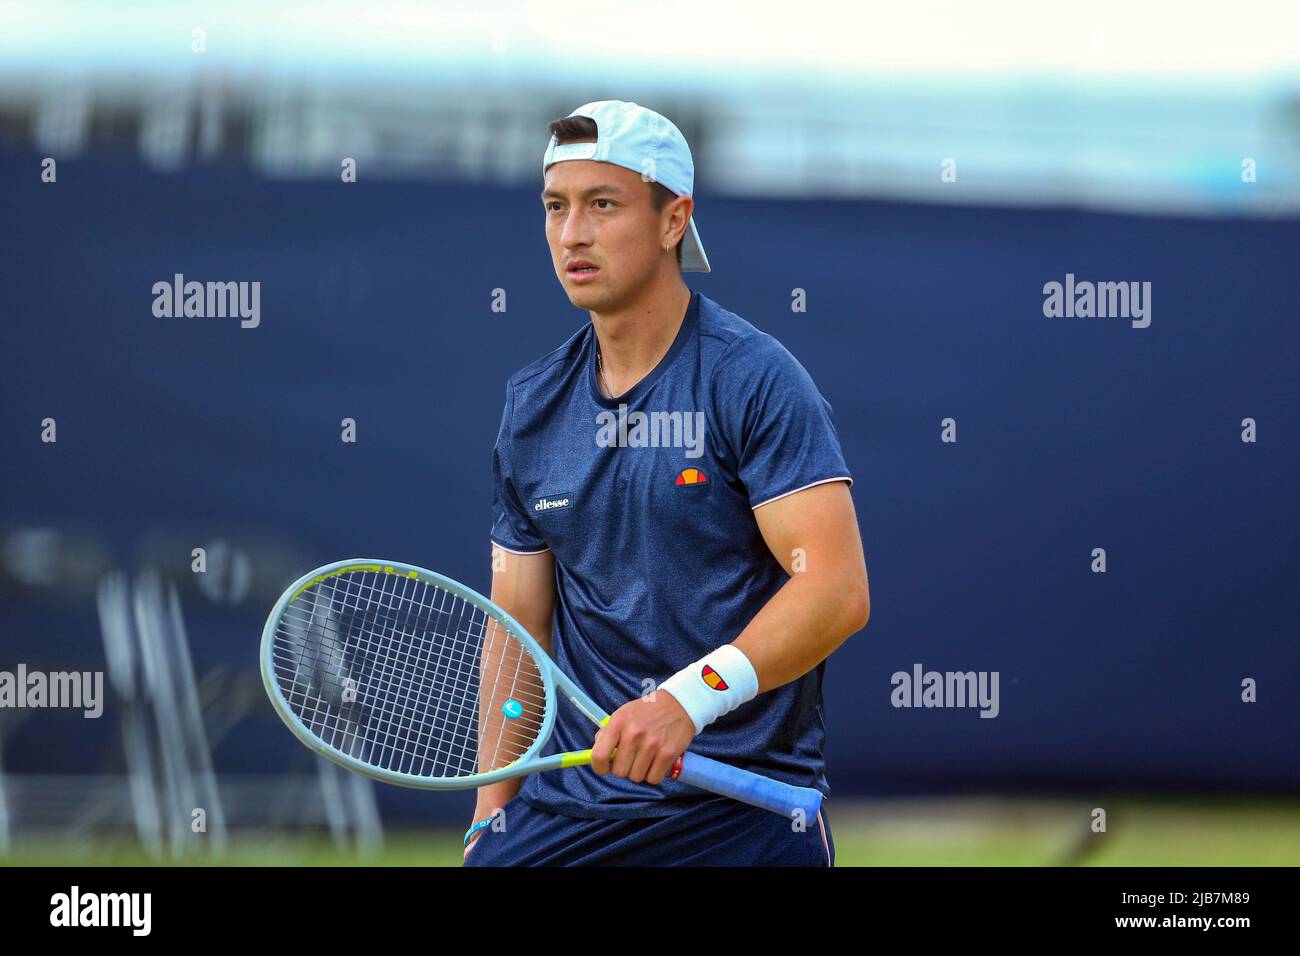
(1073, 434)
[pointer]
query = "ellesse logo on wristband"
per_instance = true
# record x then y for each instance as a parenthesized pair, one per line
(713, 678)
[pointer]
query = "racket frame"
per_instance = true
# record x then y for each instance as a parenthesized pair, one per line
(691, 769)
(547, 669)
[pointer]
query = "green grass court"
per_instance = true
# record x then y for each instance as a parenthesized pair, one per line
(939, 832)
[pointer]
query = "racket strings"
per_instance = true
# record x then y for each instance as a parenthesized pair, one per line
(407, 676)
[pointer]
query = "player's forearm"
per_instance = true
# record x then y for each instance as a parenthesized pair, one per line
(524, 586)
(804, 623)
(494, 796)
(510, 712)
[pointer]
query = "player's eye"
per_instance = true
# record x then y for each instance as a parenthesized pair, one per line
(552, 206)
(609, 204)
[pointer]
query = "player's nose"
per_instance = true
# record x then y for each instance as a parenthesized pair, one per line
(577, 230)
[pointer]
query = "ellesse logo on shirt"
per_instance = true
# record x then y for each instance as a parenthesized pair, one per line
(548, 503)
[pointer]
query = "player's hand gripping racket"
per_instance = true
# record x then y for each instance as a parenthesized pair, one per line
(414, 679)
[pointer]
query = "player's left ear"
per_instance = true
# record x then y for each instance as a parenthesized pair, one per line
(676, 215)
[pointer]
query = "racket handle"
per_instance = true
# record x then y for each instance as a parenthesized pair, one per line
(747, 787)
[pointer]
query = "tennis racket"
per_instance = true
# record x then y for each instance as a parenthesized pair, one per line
(413, 679)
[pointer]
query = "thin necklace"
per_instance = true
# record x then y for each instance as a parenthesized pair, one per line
(600, 369)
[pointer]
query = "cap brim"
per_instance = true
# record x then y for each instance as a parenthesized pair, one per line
(693, 257)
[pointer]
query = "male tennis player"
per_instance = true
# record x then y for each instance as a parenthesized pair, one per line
(673, 511)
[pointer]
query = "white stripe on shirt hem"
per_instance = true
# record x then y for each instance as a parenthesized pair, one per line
(513, 551)
(805, 487)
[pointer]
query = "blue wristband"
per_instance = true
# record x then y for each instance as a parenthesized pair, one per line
(486, 822)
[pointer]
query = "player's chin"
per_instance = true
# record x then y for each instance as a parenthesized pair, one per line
(585, 297)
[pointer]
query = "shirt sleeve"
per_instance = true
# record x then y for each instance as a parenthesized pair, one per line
(776, 422)
(512, 529)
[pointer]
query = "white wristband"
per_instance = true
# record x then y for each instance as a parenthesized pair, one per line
(714, 685)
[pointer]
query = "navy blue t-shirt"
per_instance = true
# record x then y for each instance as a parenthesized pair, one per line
(647, 502)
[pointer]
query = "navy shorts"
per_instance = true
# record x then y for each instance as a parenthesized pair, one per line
(716, 833)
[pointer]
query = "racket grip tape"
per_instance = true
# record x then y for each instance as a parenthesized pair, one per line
(747, 787)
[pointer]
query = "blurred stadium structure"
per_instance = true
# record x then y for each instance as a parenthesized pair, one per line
(1143, 106)
(169, 718)
(218, 152)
